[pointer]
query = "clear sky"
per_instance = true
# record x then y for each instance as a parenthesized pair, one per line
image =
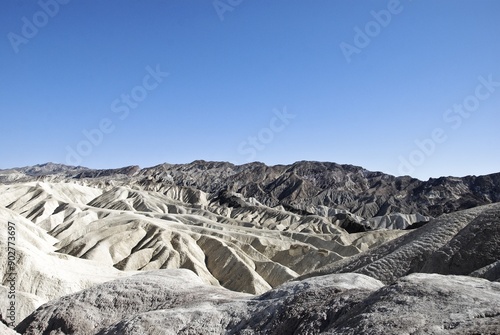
(403, 87)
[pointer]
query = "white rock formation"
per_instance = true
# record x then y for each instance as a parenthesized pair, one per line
(71, 237)
(152, 257)
(41, 273)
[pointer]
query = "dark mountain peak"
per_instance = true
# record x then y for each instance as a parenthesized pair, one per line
(208, 165)
(50, 168)
(128, 171)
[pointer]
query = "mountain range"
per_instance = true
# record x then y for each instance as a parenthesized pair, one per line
(302, 187)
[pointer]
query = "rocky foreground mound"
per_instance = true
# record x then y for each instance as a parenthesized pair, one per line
(178, 302)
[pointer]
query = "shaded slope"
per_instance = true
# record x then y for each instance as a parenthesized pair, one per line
(457, 243)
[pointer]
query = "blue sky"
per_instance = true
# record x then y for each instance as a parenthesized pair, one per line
(378, 84)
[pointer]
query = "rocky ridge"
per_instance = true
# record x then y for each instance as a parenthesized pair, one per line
(318, 188)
